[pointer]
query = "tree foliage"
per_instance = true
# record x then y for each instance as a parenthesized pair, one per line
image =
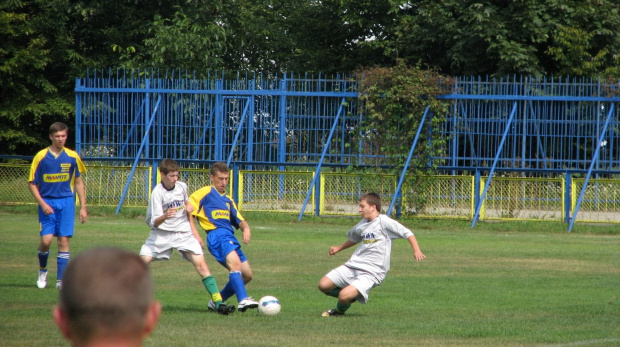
(46, 44)
(395, 99)
(474, 37)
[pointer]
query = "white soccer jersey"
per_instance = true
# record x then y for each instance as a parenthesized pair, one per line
(375, 238)
(163, 199)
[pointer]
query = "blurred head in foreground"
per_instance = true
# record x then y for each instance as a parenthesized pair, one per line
(107, 297)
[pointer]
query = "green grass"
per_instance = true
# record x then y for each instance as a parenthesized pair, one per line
(509, 284)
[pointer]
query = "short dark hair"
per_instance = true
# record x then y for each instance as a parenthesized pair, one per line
(58, 126)
(106, 290)
(168, 165)
(372, 199)
(219, 167)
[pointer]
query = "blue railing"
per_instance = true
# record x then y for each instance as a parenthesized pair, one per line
(556, 127)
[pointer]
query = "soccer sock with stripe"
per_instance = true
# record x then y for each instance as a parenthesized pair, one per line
(235, 279)
(211, 287)
(62, 260)
(43, 256)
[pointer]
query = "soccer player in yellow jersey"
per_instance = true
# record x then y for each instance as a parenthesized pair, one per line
(55, 178)
(168, 216)
(218, 215)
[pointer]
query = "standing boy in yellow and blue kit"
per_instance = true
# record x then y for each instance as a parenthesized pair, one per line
(55, 177)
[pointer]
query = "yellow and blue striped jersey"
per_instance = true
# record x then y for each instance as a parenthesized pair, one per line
(215, 210)
(55, 175)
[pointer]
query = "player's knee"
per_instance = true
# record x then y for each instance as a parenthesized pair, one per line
(63, 243)
(348, 293)
(247, 277)
(325, 285)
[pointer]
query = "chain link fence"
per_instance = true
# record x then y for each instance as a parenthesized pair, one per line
(601, 200)
(338, 193)
(273, 191)
(524, 199)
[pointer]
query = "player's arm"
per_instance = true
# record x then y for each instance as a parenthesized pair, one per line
(417, 253)
(195, 231)
(34, 190)
(245, 231)
(335, 249)
(169, 213)
(80, 189)
(189, 208)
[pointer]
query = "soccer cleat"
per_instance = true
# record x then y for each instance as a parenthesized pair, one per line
(42, 280)
(332, 313)
(211, 305)
(58, 284)
(247, 303)
(223, 309)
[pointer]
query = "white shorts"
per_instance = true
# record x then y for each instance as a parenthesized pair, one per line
(160, 243)
(363, 281)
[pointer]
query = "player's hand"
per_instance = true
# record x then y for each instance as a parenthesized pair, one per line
(188, 207)
(47, 209)
(246, 235)
(169, 213)
(419, 256)
(83, 215)
(333, 250)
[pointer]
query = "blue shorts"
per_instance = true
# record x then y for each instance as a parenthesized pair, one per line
(221, 242)
(61, 222)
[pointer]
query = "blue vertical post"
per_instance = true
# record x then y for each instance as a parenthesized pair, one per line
(250, 139)
(78, 119)
(318, 166)
(235, 186)
(282, 136)
(137, 159)
(219, 120)
(568, 186)
(477, 177)
(404, 172)
(239, 129)
(282, 124)
(495, 161)
(592, 164)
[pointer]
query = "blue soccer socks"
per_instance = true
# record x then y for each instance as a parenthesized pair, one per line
(236, 281)
(62, 260)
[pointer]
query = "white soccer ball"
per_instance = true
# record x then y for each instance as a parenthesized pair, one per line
(269, 306)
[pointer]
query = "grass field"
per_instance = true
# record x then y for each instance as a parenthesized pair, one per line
(508, 284)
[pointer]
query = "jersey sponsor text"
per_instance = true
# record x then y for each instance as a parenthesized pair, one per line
(53, 178)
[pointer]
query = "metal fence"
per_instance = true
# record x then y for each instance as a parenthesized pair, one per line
(441, 196)
(260, 121)
(545, 131)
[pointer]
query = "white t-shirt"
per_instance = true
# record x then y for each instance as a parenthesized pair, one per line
(375, 238)
(163, 199)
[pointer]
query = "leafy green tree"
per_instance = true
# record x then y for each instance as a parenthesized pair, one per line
(497, 37)
(395, 100)
(35, 57)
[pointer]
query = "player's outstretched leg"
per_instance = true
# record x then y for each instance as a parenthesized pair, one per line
(245, 302)
(215, 304)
